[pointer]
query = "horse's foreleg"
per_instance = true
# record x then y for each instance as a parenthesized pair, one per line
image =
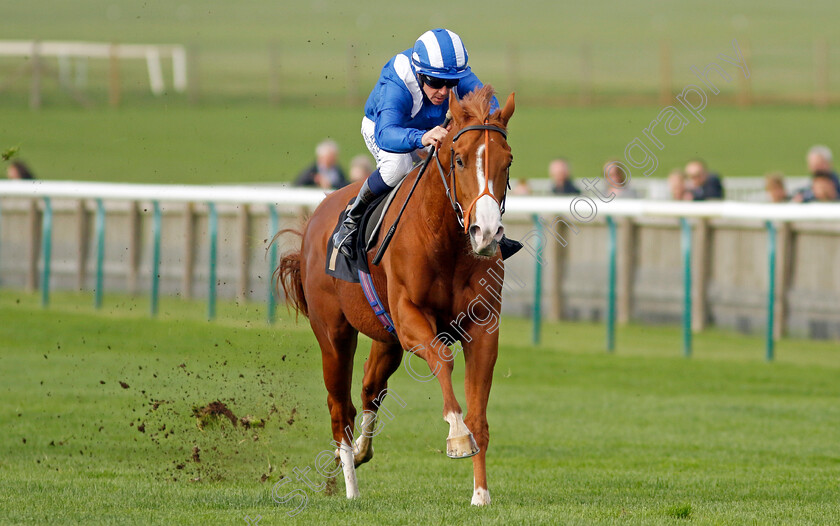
(480, 358)
(416, 332)
(338, 346)
(384, 359)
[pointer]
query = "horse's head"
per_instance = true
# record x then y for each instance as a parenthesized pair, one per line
(479, 164)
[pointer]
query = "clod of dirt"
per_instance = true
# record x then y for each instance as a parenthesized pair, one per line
(249, 421)
(291, 419)
(195, 452)
(264, 477)
(123, 385)
(211, 412)
(331, 486)
(142, 427)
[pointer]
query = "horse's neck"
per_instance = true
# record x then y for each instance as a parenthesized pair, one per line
(434, 206)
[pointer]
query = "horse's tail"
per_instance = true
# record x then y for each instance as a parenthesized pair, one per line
(287, 276)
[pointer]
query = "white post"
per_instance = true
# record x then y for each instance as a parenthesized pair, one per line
(155, 71)
(179, 69)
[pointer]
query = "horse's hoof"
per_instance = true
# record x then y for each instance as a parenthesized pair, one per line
(461, 447)
(361, 459)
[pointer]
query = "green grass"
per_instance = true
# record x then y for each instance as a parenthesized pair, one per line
(233, 134)
(313, 40)
(578, 436)
(259, 143)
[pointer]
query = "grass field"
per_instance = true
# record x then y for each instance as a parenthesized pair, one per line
(330, 54)
(327, 47)
(578, 437)
(246, 143)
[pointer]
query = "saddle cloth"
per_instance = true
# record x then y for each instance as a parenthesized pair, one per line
(341, 267)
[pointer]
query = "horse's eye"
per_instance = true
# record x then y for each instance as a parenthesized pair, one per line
(459, 162)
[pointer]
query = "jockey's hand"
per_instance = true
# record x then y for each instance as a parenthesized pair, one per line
(434, 136)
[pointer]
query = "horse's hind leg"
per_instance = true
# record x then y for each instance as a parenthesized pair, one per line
(338, 346)
(384, 359)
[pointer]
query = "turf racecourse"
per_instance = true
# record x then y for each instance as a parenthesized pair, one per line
(641, 437)
(248, 142)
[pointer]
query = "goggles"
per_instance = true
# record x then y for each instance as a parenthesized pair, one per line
(436, 83)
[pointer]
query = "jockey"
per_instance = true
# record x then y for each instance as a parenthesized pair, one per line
(402, 116)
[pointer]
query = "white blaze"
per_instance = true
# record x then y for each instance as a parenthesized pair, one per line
(488, 217)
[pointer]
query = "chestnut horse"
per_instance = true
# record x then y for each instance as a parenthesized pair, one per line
(429, 280)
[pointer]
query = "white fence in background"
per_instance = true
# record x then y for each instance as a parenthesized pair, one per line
(731, 243)
(64, 51)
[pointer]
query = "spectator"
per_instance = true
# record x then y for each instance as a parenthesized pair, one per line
(703, 185)
(676, 185)
(521, 187)
(774, 185)
(824, 188)
(819, 160)
(618, 181)
(325, 171)
(18, 170)
(560, 172)
(360, 168)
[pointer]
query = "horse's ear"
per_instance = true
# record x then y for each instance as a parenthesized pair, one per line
(506, 112)
(455, 108)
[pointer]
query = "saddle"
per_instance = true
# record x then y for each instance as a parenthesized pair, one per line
(346, 269)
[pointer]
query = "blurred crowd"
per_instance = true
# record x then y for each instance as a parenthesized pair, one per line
(19, 170)
(693, 182)
(326, 172)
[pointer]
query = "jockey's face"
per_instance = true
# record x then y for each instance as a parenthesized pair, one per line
(436, 90)
(437, 96)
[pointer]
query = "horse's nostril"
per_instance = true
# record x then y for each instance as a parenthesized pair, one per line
(499, 233)
(475, 230)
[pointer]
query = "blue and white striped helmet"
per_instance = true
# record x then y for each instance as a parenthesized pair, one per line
(440, 53)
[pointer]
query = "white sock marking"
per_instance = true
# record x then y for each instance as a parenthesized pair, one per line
(350, 483)
(481, 497)
(457, 427)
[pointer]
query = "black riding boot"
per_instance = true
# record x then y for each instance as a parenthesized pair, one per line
(345, 238)
(509, 247)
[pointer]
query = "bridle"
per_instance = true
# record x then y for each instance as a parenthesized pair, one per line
(462, 217)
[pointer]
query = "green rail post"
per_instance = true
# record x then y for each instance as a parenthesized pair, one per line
(274, 226)
(156, 228)
(46, 227)
(100, 253)
(771, 294)
(213, 226)
(537, 314)
(686, 253)
(611, 245)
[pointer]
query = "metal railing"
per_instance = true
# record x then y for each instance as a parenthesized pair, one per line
(531, 208)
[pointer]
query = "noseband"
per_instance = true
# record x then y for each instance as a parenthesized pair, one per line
(463, 218)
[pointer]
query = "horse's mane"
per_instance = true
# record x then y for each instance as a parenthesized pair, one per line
(476, 104)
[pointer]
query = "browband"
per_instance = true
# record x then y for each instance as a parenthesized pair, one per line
(480, 127)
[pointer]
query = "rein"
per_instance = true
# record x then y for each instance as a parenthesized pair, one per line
(463, 218)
